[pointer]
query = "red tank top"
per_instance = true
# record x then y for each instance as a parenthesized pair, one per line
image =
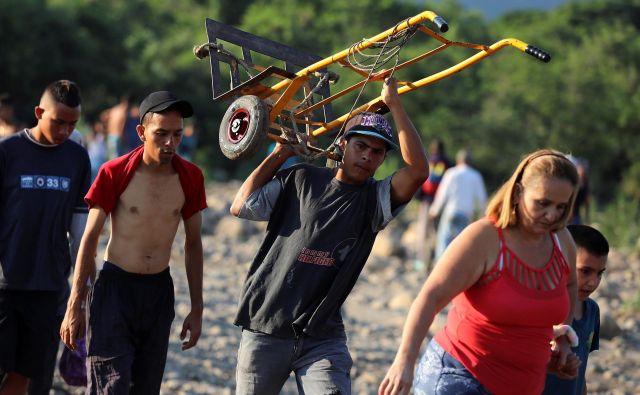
(501, 327)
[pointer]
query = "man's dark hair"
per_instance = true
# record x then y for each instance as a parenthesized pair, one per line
(589, 239)
(65, 92)
(146, 118)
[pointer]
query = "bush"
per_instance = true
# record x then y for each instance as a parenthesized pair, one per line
(619, 222)
(633, 304)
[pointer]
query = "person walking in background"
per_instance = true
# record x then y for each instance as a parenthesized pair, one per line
(131, 304)
(460, 199)
(129, 139)
(322, 225)
(78, 138)
(591, 262)
(115, 120)
(511, 277)
(43, 179)
(189, 142)
(8, 124)
(438, 164)
(97, 148)
(580, 212)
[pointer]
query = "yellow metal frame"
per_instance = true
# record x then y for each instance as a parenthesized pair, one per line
(282, 93)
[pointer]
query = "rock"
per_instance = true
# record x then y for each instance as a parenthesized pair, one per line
(388, 242)
(232, 228)
(609, 328)
(209, 221)
(402, 301)
(376, 263)
(384, 246)
(409, 236)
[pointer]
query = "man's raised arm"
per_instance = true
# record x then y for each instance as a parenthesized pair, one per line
(407, 180)
(261, 175)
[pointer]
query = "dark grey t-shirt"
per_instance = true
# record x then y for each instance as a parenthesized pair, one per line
(319, 236)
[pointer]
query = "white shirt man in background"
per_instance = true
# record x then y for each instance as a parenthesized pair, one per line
(461, 197)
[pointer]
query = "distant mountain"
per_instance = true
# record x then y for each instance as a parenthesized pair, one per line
(494, 8)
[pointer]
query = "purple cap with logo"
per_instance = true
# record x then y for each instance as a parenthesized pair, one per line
(371, 124)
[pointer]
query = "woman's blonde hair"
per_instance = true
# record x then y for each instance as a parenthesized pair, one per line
(545, 163)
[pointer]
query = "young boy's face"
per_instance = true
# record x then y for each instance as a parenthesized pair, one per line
(589, 268)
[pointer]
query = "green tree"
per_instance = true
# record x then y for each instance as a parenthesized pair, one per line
(584, 102)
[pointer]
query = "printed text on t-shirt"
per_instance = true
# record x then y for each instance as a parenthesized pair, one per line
(316, 257)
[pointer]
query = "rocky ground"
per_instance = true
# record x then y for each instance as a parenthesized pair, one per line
(374, 312)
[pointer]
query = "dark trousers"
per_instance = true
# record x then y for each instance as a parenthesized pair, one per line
(28, 329)
(130, 319)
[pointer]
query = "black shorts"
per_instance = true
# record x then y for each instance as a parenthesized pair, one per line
(130, 318)
(28, 328)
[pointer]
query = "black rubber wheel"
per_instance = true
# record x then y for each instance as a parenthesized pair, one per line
(243, 129)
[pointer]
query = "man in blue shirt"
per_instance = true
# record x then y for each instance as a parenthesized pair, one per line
(43, 180)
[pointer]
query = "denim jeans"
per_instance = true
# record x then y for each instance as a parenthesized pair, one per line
(450, 226)
(441, 374)
(321, 366)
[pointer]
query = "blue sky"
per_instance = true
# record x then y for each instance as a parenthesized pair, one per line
(494, 8)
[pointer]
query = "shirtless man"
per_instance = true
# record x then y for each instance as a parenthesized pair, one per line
(131, 304)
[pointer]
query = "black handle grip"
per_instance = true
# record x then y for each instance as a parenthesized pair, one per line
(538, 53)
(441, 23)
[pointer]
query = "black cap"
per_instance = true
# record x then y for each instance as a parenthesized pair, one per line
(164, 100)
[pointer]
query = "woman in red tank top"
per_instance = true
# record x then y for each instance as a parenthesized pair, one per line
(510, 278)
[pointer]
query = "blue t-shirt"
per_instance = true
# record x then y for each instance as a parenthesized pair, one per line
(588, 331)
(40, 188)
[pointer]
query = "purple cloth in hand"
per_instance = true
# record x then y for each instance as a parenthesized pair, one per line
(72, 365)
